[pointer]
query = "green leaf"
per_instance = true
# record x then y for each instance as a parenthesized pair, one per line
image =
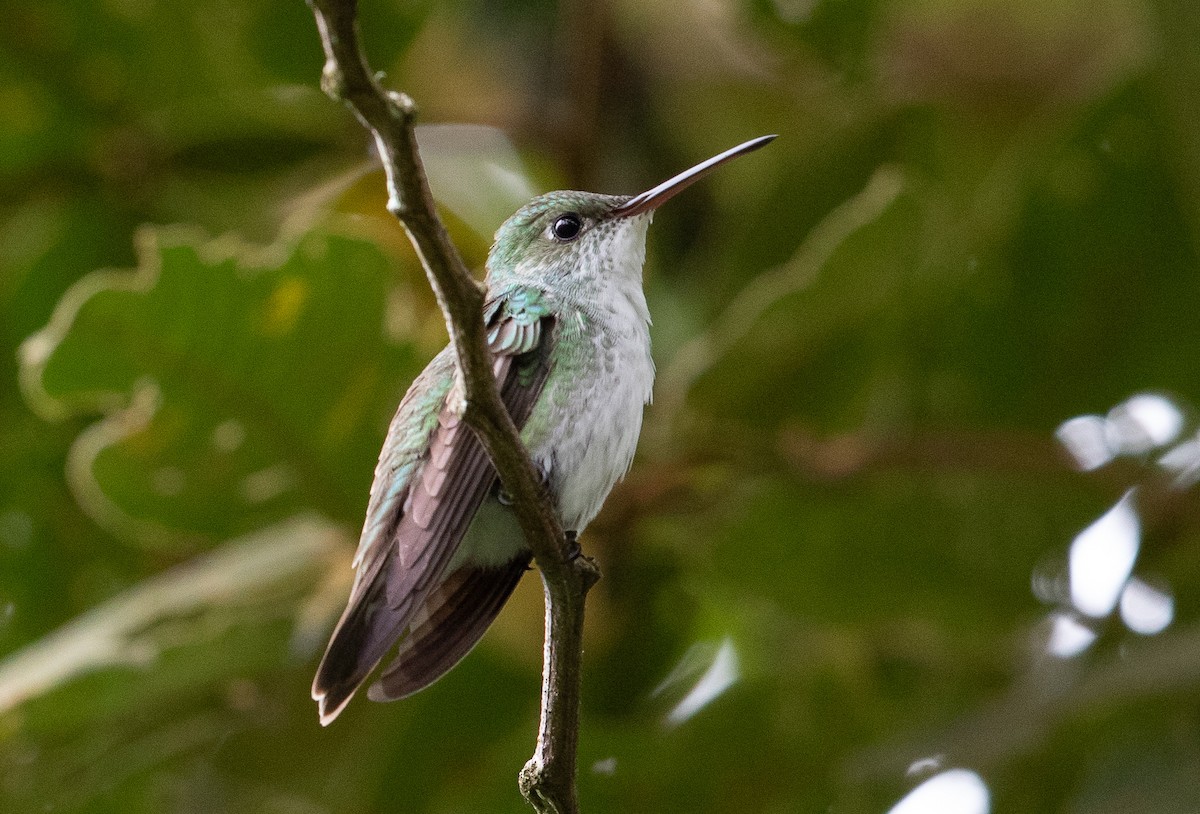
(238, 385)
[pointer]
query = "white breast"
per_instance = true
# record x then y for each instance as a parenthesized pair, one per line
(595, 399)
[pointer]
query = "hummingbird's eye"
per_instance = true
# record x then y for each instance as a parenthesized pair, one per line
(567, 227)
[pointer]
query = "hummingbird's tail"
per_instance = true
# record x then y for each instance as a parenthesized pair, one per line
(447, 625)
(451, 623)
(362, 636)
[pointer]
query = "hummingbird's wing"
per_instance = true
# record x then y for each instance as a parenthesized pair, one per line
(431, 479)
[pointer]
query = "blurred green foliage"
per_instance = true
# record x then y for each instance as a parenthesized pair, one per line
(849, 517)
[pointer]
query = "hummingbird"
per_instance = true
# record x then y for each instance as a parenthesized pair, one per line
(569, 333)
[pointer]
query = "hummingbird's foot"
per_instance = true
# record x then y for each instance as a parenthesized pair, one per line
(506, 499)
(573, 548)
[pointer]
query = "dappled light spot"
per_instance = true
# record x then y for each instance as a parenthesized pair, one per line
(1102, 558)
(956, 791)
(722, 673)
(606, 767)
(1098, 577)
(1146, 609)
(1183, 462)
(925, 765)
(1136, 426)
(1085, 440)
(1145, 421)
(266, 484)
(1068, 636)
(229, 435)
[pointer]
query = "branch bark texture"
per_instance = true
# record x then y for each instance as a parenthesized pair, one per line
(548, 779)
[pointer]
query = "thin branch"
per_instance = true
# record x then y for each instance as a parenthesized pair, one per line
(548, 779)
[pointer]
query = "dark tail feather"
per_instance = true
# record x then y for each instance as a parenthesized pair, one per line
(452, 621)
(366, 631)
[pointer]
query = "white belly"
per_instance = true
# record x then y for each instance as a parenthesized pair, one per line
(592, 412)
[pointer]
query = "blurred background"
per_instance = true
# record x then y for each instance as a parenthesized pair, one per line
(913, 525)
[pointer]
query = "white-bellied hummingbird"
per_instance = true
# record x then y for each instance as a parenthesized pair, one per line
(569, 332)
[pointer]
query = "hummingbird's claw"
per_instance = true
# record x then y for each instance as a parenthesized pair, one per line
(573, 548)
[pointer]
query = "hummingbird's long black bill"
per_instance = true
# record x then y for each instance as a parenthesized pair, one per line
(653, 198)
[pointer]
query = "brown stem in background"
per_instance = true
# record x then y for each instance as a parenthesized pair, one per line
(582, 40)
(548, 779)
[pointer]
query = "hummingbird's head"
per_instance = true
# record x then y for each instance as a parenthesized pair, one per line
(564, 236)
